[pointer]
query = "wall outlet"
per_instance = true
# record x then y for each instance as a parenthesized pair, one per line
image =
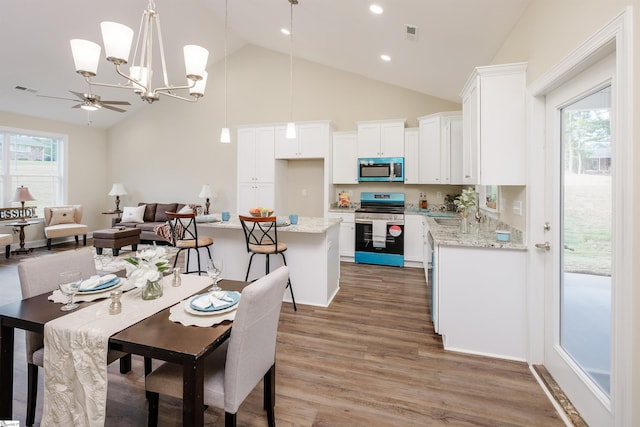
(439, 195)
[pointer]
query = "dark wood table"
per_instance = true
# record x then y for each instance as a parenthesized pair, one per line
(19, 227)
(155, 337)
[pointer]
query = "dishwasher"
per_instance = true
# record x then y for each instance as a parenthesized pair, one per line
(434, 283)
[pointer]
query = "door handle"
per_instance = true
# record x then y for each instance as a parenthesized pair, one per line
(545, 246)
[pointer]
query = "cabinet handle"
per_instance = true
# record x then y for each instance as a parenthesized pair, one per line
(467, 176)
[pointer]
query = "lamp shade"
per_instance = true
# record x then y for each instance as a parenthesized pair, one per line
(206, 192)
(198, 88)
(225, 136)
(195, 61)
(117, 190)
(117, 40)
(141, 75)
(86, 56)
(22, 195)
(291, 131)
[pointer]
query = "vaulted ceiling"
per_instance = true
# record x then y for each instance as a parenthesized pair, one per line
(453, 36)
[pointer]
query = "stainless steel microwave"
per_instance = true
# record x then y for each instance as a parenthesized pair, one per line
(385, 169)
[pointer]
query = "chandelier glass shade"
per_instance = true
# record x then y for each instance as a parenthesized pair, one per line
(117, 40)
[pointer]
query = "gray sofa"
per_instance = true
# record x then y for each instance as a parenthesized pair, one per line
(154, 215)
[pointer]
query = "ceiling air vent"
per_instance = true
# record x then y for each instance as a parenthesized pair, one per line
(411, 32)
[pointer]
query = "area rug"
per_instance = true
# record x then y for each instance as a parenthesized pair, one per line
(109, 263)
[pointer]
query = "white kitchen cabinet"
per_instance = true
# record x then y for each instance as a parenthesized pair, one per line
(413, 240)
(440, 135)
(494, 116)
(311, 142)
(345, 158)
(256, 168)
(412, 156)
(382, 138)
(482, 301)
(347, 234)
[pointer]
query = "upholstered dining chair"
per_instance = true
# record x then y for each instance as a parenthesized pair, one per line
(40, 275)
(261, 238)
(184, 236)
(234, 370)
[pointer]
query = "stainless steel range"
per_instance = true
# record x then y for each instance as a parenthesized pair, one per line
(380, 229)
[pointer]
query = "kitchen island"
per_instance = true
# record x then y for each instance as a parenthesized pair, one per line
(313, 255)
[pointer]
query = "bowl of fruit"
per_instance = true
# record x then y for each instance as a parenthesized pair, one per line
(260, 211)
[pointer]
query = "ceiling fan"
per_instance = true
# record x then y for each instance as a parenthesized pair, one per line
(92, 102)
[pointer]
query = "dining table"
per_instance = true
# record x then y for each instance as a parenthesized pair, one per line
(154, 337)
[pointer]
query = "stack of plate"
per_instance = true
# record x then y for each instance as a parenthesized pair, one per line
(227, 301)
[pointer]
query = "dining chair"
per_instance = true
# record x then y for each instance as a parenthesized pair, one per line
(40, 275)
(235, 369)
(261, 238)
(184, 236)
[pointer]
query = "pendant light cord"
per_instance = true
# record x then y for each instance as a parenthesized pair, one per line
(291, 63)
(226, 83)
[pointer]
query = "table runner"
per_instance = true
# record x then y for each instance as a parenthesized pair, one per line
(75, 356)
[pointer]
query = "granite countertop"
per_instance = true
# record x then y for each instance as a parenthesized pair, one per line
(305, 224)
(483, 236)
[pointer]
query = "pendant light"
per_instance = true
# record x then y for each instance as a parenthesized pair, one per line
(225, 136)
(291, 127)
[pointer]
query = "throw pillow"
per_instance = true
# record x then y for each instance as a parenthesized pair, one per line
(133, 214)
(62, 216)
(187, 209)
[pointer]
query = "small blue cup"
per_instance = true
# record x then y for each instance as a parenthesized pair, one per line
(226, 216)
(293, 218)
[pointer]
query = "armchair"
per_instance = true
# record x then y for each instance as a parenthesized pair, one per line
(64, 221)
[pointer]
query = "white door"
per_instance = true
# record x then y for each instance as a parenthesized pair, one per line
(580, 245)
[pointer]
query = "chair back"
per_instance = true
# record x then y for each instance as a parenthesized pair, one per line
(252, 346)
(73, 210)
(260, 232)
(183, 227)
(40, 275)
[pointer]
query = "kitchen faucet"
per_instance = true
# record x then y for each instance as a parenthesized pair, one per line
(478, 217)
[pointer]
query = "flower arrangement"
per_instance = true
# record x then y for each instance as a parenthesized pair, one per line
(148, 266)
(466, 200)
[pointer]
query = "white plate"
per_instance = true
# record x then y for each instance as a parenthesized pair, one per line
(110, 288)
(188, 309)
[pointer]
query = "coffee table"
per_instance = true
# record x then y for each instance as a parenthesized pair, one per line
(115, 239)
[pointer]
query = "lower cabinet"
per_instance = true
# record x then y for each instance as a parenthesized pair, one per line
(482, 301)
(413, 240)
(347, 234)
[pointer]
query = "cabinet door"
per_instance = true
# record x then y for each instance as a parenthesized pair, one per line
(345, 158)
(470, 136)
(369, 140)
(392, 139)
(264, 195)
(411, 156)
(313, 140)
(246, 197)
(264, 154)
(430, 151)
(347, 239)
(246, 154)
(454, 136)
(285, 148)
(413, 238)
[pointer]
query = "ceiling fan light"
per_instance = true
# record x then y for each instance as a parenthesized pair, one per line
(86, 56)
(225, 136)
(117, 40)
(89, 107)
(195, 61)
(198, 88)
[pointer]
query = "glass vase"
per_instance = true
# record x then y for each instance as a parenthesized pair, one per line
(464, 223)
(152, 290)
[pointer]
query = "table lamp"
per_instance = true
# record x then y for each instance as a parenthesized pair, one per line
(206, 193)
(22, 195)
(118, 190)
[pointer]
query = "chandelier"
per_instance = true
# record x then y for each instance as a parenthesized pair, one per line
(117, 40)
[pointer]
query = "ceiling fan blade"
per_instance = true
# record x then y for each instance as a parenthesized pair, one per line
(115, 102)
(79, 95)
(57, 97)
(77, 106)
(109, 107)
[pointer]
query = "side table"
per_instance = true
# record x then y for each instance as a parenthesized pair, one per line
(19, 226)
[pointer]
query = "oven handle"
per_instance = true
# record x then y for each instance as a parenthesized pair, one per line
(370, 221)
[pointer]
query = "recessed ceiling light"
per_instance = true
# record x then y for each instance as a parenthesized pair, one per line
(385, 58)
(374, 8)
(285, 31)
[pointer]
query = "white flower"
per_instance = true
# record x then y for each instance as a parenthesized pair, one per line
(466, 200)
(147, 265)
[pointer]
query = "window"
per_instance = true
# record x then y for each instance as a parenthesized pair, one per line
(489, 197)
(34, 160)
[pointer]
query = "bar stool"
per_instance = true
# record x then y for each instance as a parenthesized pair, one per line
(184, 236)
(261, 237)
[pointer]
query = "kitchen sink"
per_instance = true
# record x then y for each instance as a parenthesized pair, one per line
(450, 222)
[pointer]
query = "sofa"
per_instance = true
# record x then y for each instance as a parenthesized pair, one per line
(152, 216)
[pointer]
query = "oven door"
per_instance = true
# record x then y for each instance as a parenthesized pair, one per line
(374, 248)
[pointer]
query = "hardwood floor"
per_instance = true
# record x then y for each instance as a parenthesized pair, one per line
(370, 359)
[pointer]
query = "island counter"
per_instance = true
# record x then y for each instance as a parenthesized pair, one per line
(313, 256)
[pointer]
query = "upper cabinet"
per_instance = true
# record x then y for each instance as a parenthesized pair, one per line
(345, 158)
(440, 148)
(312, 141)
(412, 156)
(383, 138)
(255, 154)
(493, 110)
